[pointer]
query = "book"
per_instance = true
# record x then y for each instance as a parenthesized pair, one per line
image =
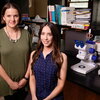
(86, 15)
(58, 13)
(80, 26)
(67, 15)
(64, 15)
(51, 12)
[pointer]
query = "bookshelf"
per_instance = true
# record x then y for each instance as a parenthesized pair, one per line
(75, 31)
(68, 16)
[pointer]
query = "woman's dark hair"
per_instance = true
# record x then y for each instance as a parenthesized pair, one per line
(7, 6)
(56, 55)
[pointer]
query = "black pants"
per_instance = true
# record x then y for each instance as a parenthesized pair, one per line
(19, 95)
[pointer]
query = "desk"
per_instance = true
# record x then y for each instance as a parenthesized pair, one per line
(91, 80)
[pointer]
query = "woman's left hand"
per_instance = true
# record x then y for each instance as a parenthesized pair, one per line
(22, 83)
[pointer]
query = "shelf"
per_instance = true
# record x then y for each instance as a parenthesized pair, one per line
(29, 22)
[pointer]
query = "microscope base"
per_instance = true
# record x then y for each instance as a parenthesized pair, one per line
(84, 67)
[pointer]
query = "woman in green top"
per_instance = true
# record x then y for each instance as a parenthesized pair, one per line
(15, 47)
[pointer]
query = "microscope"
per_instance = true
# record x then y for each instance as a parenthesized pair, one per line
(87, 53)
(98, 50)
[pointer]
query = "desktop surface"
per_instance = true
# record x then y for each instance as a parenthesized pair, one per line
(90, 80)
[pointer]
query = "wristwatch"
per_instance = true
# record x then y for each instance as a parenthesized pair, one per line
(26, 78)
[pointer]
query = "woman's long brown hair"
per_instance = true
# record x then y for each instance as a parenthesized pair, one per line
(56, 54)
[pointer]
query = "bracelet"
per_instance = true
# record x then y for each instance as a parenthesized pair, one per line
(25, 78)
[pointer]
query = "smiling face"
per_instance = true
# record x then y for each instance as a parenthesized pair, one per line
(46, 37)
(11, 17)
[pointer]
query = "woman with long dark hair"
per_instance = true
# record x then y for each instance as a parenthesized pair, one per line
(47, 66)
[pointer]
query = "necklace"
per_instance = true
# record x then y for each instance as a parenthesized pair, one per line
(12, 40)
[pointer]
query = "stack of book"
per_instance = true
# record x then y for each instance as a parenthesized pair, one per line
(82, 18)
(25, 17)
(69, 16)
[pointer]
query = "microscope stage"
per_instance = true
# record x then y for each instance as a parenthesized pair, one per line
(83, 67)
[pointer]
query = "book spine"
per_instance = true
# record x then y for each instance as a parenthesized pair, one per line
(52, 13)
(64, 13)
(58, 13)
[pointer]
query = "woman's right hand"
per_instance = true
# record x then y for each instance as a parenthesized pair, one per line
(14, 85)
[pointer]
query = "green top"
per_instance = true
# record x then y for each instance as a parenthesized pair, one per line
(13, 58)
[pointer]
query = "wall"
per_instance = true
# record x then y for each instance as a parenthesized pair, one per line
(23, 4)
(39, 7)
(96, 14)
(31, 8)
